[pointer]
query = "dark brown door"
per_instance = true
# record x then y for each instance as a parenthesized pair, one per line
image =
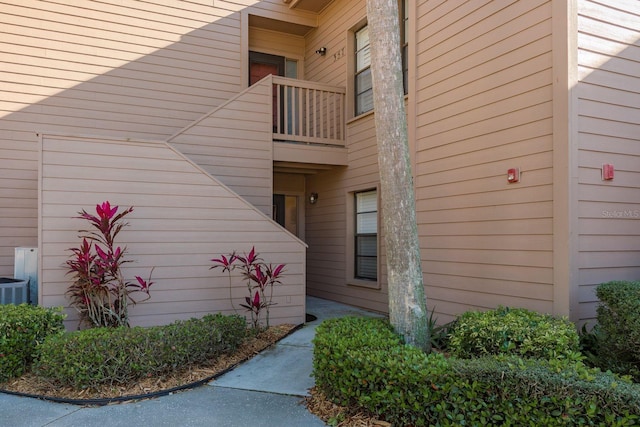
(258, 71)
(260, 66)
(285, 212)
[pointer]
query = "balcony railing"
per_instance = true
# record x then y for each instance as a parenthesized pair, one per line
(308, 112)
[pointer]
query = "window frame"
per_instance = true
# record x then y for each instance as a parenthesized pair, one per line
(359, 236)
(403, 9)
(357, 73)
(403, 17)
(351, 244)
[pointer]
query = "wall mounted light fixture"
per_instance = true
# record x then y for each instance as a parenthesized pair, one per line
(322, 51)
(313, 198)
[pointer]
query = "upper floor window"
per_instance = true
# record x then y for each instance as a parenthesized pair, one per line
(363, 86)
(404, 43)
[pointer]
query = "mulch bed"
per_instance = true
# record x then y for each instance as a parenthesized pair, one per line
(29, 384)
(339, 416)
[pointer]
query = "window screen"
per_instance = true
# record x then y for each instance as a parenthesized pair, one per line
(366, 237)
(363, 86)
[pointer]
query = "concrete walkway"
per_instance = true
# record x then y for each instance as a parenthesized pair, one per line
(267, 390)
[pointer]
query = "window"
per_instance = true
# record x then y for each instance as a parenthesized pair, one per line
(366, 235)
(404, 32)
(363, 87)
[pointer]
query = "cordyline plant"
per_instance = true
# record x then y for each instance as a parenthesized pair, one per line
(99, 291)
(260, 279)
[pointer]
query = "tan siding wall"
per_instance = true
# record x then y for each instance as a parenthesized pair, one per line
(609, 132)
(484, 106)
(276, 43)
(182, 219)
(123, 68)
(483, 103)
(288, 183)
(334, 24)
(128, 68)
(272, 9)
(327, 222)
(234, 144)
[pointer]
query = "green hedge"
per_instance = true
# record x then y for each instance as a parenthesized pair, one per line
(105, 356)
(514, 331)
(404, 386)
(618, 328)
(22, 328)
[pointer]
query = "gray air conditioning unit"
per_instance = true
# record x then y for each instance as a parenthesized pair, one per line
(13, 291)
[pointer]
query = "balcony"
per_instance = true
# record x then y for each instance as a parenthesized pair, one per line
(277, 124)
(308, 112)
(308, 123)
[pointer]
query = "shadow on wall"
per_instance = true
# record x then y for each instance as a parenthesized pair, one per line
(112, 73)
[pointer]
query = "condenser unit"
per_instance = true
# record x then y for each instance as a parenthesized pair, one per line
(13, 291)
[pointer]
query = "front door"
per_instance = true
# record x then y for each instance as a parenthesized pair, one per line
(260, 66)
(285, 212)
(263, 64)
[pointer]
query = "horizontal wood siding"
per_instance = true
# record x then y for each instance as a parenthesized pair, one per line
(327, 220)
(272, 9)
(327, 223)
(484, 105)
(126, 68)
(334, 25)
(233, 143)
(277, 43)
(609, 132)
(182, 219)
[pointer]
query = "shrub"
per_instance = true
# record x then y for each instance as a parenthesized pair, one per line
(333, 344)
(106, 356)
(438, 333)
(590, 340)
(618, 329)
(260, 279)
(544, 392)
(513, 331)
(405, 386)
(23, 328)
(99, 291)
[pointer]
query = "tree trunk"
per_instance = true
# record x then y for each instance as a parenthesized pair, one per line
(407, 301)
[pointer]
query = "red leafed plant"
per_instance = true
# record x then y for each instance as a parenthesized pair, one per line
(99, 291)
(260, 279)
